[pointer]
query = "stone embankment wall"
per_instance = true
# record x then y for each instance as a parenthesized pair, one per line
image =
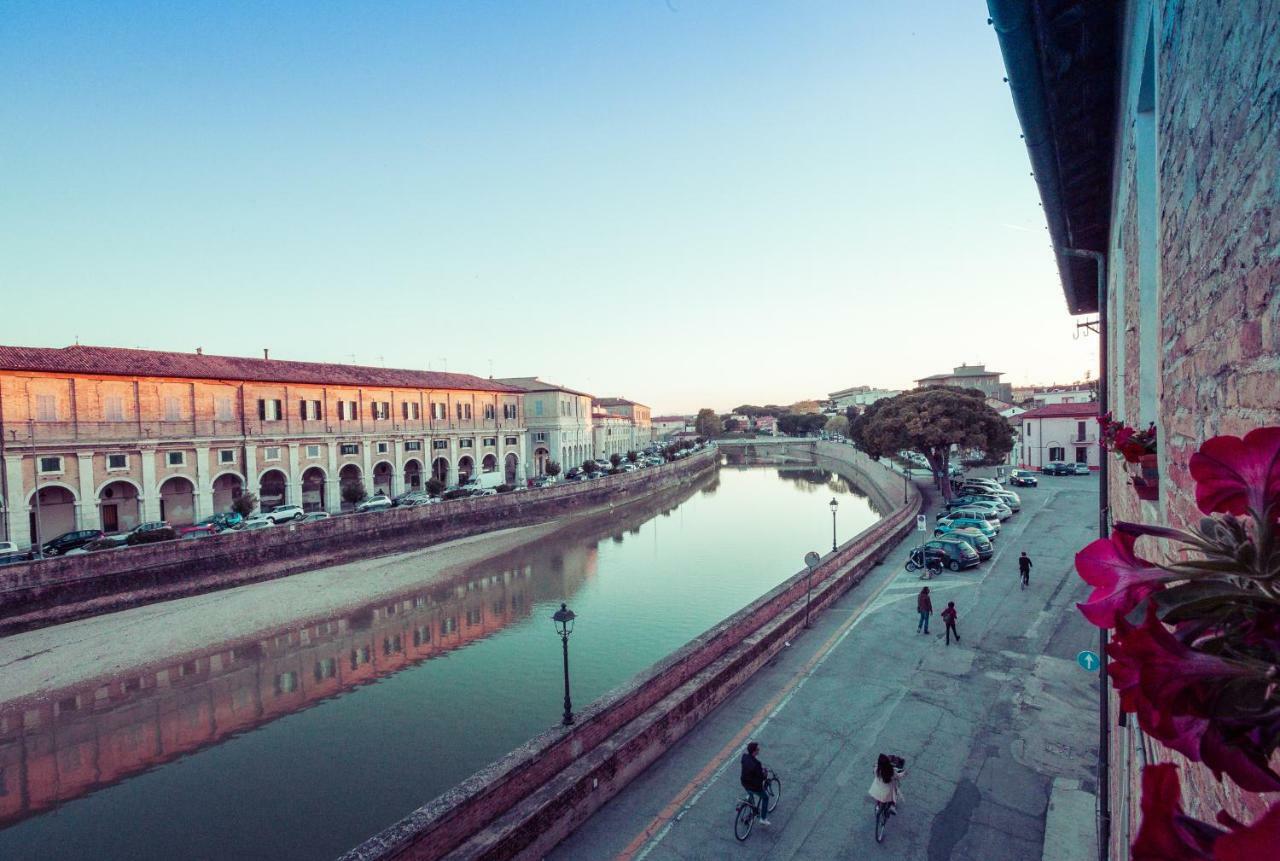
(527, 802)
(45, 592)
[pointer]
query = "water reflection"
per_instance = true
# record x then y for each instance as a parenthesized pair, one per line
(813, 480)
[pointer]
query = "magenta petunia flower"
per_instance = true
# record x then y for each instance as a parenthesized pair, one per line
(1168, 834)
(1121, 579)
(1236, 476)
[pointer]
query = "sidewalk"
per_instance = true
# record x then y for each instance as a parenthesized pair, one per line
(986, 726)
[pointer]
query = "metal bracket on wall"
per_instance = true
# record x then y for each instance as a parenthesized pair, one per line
(1090, 325)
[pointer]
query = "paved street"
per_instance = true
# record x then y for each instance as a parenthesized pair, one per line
(986, 726)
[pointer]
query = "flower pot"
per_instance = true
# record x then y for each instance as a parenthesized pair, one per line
(1150, 469)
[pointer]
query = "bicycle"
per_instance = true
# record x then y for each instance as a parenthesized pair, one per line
(885, 809)
(746, 813)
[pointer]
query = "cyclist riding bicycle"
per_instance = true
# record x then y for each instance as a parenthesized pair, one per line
(753, 781)
(889, 772)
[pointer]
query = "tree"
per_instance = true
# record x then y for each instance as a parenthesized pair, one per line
(552, 468)
(803, 407)
(932, 421)
(707, 423)
(353, 492)
(434, 486)
(589, 465)
(837, 425)
(633, 456)
(244, 504)
(615, 459)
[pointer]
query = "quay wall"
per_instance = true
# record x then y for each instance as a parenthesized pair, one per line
(50, 591)
(524, 804)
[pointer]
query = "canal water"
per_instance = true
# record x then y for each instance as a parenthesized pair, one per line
(300, 742)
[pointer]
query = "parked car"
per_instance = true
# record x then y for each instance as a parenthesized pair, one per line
(313, 516)
(958, 553)
(11, 558)
(576, 476)
(7, 547)
(484, 491)
(409, 496)
(995, 506)
(990, 515)
(542, 481)
(1008, 497)
(281, 513)
(196, 530)
(223, 520)
(1057, 467)
(962, 518)
(70, 541)
(377, 503)
(150, 533)
(1022, 478)
(106, 542)
(973, 538)
(257, 521)
(1080, 469)
(596, 474)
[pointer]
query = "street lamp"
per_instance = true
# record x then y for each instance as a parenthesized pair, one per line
(564, 627)
(834, 506)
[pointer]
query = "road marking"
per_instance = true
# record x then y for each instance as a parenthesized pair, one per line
(653, 833)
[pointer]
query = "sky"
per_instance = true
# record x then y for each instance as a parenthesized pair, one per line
(684, 203)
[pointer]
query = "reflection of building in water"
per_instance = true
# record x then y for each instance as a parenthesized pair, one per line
(80, 739)
(814, 480)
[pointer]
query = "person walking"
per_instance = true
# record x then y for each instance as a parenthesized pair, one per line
(924, 606)
(1024, 568)
(949, 617)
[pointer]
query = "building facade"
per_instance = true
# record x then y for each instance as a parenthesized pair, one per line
(1153, 129)
(106, 438)
(559, 423)
(972, 377)
(1061, 432)
(664, 426)
(858, 396)
(637, 415)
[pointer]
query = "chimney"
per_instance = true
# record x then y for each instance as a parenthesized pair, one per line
(199, 351)
(266, 353)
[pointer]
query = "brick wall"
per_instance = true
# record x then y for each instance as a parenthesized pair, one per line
(39, 593)
(1217, 122)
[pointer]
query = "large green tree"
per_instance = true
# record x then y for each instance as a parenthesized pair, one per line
(932, 421)
(707, 423)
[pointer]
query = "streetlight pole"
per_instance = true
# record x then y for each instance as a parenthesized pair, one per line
(834, 506)
(564, 627)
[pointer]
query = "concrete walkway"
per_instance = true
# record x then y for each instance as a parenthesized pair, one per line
(986, 726)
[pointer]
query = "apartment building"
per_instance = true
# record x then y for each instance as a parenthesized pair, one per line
(1059, 432)
(558, 421)
(638, 415)
(105, 438)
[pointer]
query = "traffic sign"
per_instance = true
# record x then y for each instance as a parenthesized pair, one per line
(812, 559)
(1088, 661)
(922, 523)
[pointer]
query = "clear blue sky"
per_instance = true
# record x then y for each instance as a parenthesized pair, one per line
(686, 203)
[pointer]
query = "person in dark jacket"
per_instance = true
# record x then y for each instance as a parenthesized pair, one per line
(924, 606)
(1024, 568)
(949, 616)
(753, 781)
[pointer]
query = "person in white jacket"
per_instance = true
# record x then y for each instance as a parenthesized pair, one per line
(885, 787)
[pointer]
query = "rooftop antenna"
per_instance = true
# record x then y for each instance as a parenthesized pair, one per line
(382, 360)
(491, 369)
(352, 357)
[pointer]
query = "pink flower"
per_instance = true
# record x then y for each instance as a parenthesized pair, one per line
(1168, 834)
(1236, 476)
(1121, 579)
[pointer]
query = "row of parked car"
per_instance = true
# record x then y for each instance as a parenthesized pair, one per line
(966, 526)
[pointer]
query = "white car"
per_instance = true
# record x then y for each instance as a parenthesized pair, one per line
(313, 516)
(377, 503)
(284, 512)
(257, 521)
(7, 547)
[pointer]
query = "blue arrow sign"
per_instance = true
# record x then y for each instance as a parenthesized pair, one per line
(1088, 661)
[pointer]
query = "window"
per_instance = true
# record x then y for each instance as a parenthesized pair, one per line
(421, 635)
(413, 445)
(1082, 454)
(379, 410)
(466, 443)
(490, 410)
(540, 436)
(474, 617)
(309, 410)
(46, 408)
(392, 645)
(270, 410)
(271, 453)
(349, 448)
(491, 441)
(1080, 430)
(383, 447)
(226, 455)
(448, 625)
(175, 458)
(439, 410)
(348, 411)
(508, 411)
(50, 465)
(117, 461)
(313, 451)
(440, 443)
(411, 410)
(286, 683)
(326, 669)
(511, 440)
(464, 412)
(1057, 453)
(113, 409)
(172, 409)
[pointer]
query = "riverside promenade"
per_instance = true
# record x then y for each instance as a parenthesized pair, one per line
(999, 731)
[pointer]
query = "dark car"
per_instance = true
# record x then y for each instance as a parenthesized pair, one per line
(956, 553)
(1057, 467)
(1023, 478)
(150, 533)
(70, 541)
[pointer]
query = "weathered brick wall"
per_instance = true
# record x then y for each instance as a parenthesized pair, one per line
(1218, 155)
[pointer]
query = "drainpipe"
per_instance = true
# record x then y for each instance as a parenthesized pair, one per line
(1104, 512)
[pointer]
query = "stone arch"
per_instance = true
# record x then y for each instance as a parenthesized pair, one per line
(273, 489)
(383, 472)
(119, 504)
(349, 476)
(541, 457)
(413, 474)
(227, 488)
(177, 500)
(440, 470)
(314, 480)
(58, 508)
(489, 463)
(510, 465)
(466, 468)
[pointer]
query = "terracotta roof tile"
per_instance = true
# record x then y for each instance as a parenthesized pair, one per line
(117, 361)
(1053, 411)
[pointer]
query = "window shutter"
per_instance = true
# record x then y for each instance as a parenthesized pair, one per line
(302, 410)
(262, 409)
(279, 410)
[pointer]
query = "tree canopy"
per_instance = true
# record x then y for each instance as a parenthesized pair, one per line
(837, 424)
(707, 423)
(799, 425)
(932, 421)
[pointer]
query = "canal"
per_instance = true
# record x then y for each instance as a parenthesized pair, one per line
(300, 741)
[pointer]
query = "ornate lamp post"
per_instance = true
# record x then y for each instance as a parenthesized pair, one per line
(834, 506)
(564, 627)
